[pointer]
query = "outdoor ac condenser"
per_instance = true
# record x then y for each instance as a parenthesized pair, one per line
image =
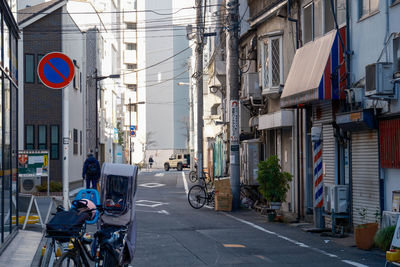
(250, 87)
(336, 198)
(379, 80)
(28, 184)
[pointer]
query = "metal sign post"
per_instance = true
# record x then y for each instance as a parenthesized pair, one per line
(56, 71)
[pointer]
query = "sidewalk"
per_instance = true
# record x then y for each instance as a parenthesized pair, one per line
(21, 251)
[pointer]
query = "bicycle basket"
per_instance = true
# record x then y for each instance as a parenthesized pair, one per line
(66, 224)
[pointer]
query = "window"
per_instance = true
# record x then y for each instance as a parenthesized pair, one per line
(396, 54)
(75, 148)
(271, 56)
(131, 66)
(368, 7)
(29, 68)
(329, 20)
(42, 137)
(214, 109)
(77, 76)
(80, 143)
(318, 18)
(39, 57)
(130, 46)
(131, 26)
(54, 142)
(29, 137)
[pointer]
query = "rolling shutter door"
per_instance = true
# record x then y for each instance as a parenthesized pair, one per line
(365, 175)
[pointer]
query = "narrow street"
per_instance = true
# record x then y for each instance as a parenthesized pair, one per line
(171, 233)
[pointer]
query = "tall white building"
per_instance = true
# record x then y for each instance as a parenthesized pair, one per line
(163, 55)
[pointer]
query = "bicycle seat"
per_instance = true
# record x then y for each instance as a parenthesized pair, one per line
(93, 195)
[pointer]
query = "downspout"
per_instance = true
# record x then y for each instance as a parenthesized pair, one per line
(298, 163)
(387, 28)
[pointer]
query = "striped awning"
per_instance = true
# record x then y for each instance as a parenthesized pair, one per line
(317, 73)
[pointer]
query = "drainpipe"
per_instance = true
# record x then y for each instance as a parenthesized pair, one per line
(387, 28)
(298, 163)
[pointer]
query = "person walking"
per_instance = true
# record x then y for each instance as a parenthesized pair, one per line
(151, 160)
(91, 171)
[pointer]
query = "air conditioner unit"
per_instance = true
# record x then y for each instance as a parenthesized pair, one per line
(336, 198)
(250, 87)
(28, 184)
(378, 80)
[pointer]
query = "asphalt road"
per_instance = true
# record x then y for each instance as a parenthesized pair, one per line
(171, 233)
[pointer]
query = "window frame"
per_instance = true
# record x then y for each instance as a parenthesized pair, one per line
(131, 23)
(269, 38)
(54, 144)
(134, 46)
(26, 136)
(33, 68)
(75, 142)
(45, 137)
(361, 15)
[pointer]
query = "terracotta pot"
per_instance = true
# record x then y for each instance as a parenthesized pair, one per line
(364, 235)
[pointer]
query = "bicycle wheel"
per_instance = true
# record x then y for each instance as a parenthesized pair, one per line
(109, 259)
(193, 176)
(197, 196)
(68, 259)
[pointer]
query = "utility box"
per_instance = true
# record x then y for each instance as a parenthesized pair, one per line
(250, 157)
(336, 198)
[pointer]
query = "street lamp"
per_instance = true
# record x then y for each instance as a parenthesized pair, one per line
(99, 78)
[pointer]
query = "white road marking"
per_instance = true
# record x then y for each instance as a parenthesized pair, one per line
(152, 185)
(159, 174)
(155, 211)
(300, 244)
(149, 203)
(185, 183)
(354, 263)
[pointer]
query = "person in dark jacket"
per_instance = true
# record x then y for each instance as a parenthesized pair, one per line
(91, 171)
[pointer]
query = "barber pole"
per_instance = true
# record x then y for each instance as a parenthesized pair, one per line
(318, 188)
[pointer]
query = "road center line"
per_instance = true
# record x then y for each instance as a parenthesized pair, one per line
(300, 244)
(185, 183)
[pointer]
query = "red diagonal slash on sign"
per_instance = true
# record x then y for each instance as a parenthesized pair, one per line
(46, 60)
(56, 70)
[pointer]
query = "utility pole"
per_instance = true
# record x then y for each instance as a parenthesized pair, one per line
(232, 79)
(130, 136)
(199, 83)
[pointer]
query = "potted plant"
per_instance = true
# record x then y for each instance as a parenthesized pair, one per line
(364, 233)
(273, 182)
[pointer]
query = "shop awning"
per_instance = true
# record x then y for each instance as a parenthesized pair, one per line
(310, 77)
(278, 119)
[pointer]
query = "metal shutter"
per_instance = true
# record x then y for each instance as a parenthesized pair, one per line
(365, 174)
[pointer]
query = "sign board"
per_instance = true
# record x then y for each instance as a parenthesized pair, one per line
(33, 163)
(56, 70)
(234, 123)
(396, 236)
(133, 129)
(115, 139)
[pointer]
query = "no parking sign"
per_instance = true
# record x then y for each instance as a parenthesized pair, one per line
(56, 70)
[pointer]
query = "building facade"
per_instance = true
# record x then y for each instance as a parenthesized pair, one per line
(9, 122)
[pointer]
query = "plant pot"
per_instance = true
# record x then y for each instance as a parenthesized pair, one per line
(364, 235)
(271, 216)
(275, 205)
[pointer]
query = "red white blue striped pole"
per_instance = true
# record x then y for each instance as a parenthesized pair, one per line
(318, 182)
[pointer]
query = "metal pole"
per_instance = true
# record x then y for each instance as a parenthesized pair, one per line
(97, 116)
(66, 140)
(199, 84)
(232, 79)
(130, 137)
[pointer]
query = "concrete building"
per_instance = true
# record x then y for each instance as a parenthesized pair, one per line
(164, 109)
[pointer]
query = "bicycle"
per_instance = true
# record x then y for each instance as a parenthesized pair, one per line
(193, 175)
(203, 193)
(102, 250)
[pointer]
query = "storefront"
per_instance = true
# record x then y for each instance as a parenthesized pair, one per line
(8, 125)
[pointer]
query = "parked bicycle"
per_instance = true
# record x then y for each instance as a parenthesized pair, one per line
(193, 175)
(114, 243)
(203, 193)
